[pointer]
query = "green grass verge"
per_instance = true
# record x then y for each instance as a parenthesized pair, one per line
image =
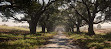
(20, 41)
(15, 28)
(91, 42)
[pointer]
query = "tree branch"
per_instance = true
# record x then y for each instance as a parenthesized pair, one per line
(41, 8)
(45, 8)
(89, 14)
(97, 22)
(20, 20)
(79, 14)
(95, 10)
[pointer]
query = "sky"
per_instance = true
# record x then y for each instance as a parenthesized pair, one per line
(4, 3)
(11, 23)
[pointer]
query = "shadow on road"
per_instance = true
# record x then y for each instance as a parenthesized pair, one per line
(60, 41)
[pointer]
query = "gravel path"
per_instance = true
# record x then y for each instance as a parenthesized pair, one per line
(60, 41)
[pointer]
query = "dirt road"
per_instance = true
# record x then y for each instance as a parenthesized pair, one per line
(60, 41)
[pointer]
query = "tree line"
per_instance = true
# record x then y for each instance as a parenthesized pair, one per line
(72, 13)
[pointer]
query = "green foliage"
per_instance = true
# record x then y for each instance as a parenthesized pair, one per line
(91, 42)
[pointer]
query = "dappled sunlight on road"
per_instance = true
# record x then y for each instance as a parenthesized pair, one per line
(60, 41)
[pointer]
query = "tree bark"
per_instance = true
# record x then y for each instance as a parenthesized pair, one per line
(78, 29)
(90, 29)
(67, 29)
(78, 25)
(32, 27)
(43, 28)
(72, 30)
(48, 29)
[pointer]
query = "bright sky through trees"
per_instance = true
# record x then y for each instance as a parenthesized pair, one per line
(11, 23)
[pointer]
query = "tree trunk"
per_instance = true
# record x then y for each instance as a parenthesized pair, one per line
(43, 28)
(48, 29)
(90, 29)
(78, 29)
(72, 29)
(32, 27)
(78, 25)
(67, 29)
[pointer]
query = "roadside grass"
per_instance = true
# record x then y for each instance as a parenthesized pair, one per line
(98, 41)
(16, 29)
(16, 38)
(13, 28)
(30, 41)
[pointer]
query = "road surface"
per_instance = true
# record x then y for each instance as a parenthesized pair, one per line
(60, 41)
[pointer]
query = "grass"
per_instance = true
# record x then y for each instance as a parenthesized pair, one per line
(31, 41)
(13, 28)
(91, 42)
(19, 38)
(39, 29)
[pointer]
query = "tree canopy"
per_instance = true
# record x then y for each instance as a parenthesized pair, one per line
(48, 14)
